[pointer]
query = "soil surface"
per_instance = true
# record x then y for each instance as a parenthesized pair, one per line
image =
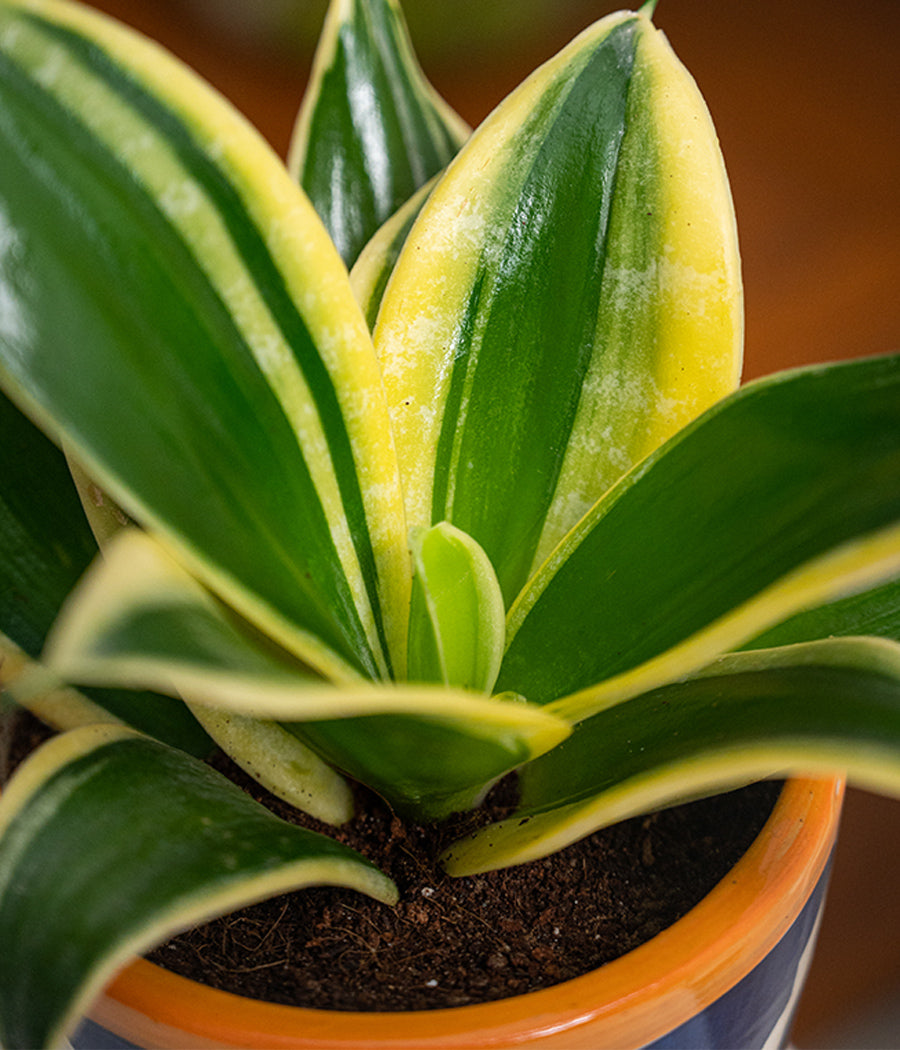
(450, 942)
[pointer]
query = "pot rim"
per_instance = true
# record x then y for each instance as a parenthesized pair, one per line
(630, 1001)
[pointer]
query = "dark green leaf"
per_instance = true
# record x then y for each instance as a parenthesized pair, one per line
(828, 706)
(371, 130)
(172, 843)
(141, 620)
(567, 299)
(214, 362)
(720, 534)
(875, 612)
(45, 546)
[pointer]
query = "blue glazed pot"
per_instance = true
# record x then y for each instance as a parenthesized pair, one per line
(758, 1010)
(727, 974)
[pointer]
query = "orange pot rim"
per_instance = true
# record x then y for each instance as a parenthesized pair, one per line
(628, 1002)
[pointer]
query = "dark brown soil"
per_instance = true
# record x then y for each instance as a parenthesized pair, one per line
(455, 941)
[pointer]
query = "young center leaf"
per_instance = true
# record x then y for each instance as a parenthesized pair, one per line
(139, 619)
(457, 623)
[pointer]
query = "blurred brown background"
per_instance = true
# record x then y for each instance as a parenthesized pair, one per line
(805, 95)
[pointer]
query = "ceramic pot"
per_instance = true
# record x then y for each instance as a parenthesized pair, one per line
(727, 974)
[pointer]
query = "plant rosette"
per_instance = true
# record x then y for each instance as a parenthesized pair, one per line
(418, 461)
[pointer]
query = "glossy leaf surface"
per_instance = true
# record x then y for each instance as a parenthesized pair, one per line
(371, 130)
(227, 395)
(782, 497)
(568, 297)
(824, 706)
(125, 894)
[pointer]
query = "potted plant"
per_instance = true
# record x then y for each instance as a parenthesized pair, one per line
(492, 503)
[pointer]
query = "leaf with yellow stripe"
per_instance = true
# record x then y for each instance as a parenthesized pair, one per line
(874, 612)
(46, 545)
(372, 270)
(783, 497)
(125, 894)
(568, 298)
(821, 706)
(139, 620)
(371, 129)
(227, 395)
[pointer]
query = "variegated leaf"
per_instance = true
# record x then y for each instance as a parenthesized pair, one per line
(372, 270)
(874, 612)
(783, 497)
(140, 620)
(371, 130)
(45, 546)
(172, 844)
(568, 298)
(822, 706)
(227, 394)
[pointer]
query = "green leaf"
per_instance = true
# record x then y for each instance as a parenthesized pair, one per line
(568, 298)
(138, 619)
(227, 395)
(33, 686)
(45, 546)
(783, 497)
(457, 622)
(444, 755)
(141, 620)
(371, 129)
(45, 542)
(832, 705)
(172, 844)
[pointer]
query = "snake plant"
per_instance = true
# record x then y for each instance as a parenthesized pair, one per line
(492, 501)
